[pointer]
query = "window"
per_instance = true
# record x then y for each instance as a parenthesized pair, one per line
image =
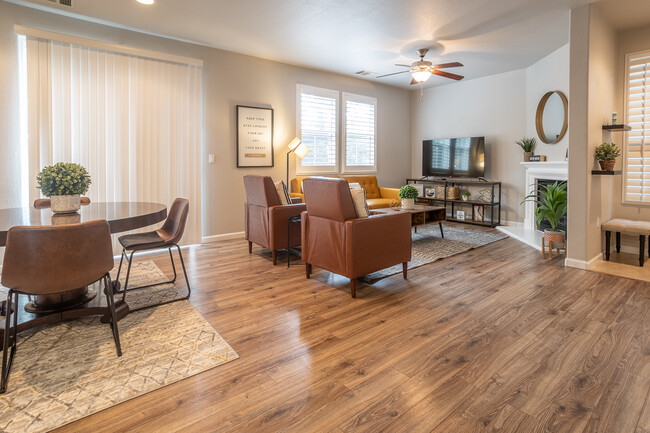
(360, 133)
(636, 186)
(318, 128)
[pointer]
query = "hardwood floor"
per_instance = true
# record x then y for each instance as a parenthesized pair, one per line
(497, 339)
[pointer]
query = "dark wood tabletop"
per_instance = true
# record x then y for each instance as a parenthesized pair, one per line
(121, 216)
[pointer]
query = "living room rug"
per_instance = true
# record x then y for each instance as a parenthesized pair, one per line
(428, 246)
(70, 370)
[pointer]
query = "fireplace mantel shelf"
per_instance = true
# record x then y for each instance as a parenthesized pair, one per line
(546, 165)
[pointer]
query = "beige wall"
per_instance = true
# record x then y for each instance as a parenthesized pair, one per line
(229, 79)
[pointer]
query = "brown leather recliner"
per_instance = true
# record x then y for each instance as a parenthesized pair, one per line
(266, 218)
(334, 238)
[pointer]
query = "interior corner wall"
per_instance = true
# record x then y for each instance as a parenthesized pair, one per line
(494, 107)
(230, 79)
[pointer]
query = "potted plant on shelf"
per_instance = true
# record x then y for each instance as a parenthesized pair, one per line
(606, 155)
(63, 183)
(528, 146)
(551, 206)
(408, 194)
(465, 195)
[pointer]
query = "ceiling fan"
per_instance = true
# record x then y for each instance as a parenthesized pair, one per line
(422, 70)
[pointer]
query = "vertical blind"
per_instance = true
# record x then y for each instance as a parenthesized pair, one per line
(637, 144)
(359, 133)
(318, 128)
(135, 123)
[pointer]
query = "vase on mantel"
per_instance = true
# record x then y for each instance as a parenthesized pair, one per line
(527, 156)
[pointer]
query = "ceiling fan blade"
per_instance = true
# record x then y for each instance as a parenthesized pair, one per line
(394, 73)
(448, 65)
(448, 75)
(405, 66)
(413, 81)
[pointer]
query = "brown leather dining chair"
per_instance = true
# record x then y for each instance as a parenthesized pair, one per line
(334, 238)
(54, 259)
(44, 203)
(165, 237)
(266, 218)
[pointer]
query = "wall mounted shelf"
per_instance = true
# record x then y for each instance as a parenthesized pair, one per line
(619, 127)
(606, 172)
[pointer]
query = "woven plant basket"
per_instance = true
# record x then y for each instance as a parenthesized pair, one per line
(607, 165)
(453, 193)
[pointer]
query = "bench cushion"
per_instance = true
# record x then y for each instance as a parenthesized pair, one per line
(630, 227)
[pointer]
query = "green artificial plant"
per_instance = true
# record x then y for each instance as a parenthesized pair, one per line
(63, 178)
(552, 205)
(527, 144)
(607, 152)
(408, 191)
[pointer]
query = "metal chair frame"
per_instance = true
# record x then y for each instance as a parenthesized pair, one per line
(129, 259)
(12, 308)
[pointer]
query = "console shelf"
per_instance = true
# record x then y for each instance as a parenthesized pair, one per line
(480, 210)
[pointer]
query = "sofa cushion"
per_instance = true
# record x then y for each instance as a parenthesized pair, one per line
(368, 182)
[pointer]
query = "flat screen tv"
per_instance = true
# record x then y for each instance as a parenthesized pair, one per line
(454, 157)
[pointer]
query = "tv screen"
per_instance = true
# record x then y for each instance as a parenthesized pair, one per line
(454, 157)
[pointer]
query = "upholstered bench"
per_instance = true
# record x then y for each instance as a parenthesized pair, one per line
(628, 227)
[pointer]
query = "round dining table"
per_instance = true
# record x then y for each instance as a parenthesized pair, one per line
(121, 217)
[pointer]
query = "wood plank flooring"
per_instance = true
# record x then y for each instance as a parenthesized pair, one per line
(497, 339)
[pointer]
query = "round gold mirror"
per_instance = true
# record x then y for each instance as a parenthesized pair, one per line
(551, 119)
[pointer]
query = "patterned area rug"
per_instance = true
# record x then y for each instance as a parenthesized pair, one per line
(428, 247)
(70, 370)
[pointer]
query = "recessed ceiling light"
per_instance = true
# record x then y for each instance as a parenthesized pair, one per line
(146, 2)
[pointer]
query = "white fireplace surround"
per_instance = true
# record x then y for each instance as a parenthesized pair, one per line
(553, 170)
(527, 232)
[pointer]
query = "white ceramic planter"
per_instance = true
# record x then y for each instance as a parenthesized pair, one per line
(65, 203)
(408, 203)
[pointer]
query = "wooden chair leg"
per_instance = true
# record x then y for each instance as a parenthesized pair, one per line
(308, 270)
(250, 247)
(641, 249)
(274, 253)
(405, 268)
(353, 287)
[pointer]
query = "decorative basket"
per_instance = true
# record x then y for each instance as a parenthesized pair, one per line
(441, 192)
(453, 193)
(607, 165)
(555, 237)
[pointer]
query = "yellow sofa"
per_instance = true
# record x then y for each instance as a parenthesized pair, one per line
(376, 197)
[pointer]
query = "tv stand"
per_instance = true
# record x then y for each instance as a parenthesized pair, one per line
(483, 213)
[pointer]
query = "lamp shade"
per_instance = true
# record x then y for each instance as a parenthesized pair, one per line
(302, 150)
(421, 76)
(294, 143)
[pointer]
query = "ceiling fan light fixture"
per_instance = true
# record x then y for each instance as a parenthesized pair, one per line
(421, 76)
(145, 2)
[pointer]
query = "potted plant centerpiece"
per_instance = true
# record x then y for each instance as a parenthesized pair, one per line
(527, 144)
(606, 155)
(551, 206)
(63, 183)
(408, 194)
(465, 195)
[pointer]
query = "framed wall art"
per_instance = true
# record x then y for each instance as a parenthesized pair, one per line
(254, 136)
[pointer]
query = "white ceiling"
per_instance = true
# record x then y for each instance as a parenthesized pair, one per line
(346, 36)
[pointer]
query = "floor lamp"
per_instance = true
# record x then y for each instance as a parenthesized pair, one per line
(300, 149)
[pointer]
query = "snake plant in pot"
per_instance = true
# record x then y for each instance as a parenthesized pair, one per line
(408, 194)
(551, 206)
(527, 144)
(63, 183)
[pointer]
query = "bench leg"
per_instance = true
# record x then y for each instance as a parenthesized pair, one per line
(608, 237)
(618, 242)
(550, 249)
(641, 249)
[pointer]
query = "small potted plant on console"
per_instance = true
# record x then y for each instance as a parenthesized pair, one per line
(465, 195)
(606, 155)
(408, 194)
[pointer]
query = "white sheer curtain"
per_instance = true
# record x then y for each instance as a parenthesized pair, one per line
(134, 122)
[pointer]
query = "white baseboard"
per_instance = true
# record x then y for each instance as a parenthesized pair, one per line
(581, 264)
(223, 237)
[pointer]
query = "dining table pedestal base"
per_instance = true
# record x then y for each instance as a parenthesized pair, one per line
(54, 303)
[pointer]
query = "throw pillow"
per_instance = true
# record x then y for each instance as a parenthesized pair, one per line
(355, 185)
(360, 204)
(283, 194)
